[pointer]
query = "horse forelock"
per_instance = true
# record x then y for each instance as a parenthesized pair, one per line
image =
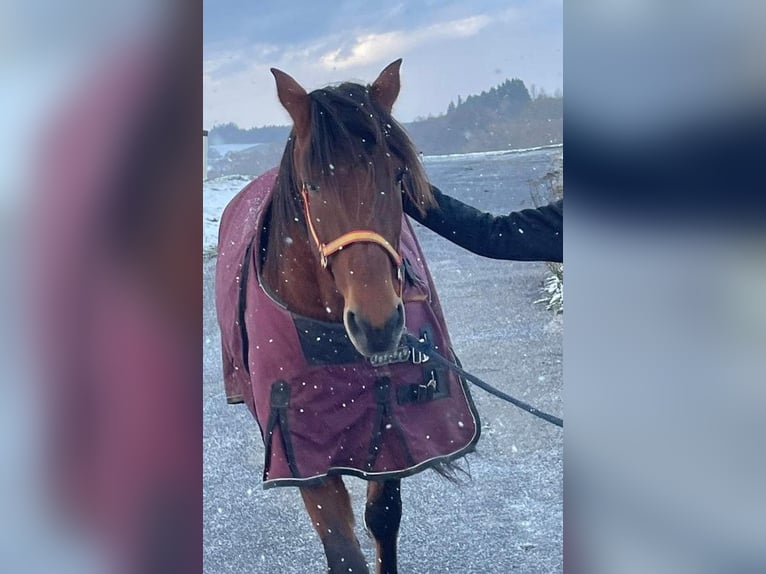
(348, 128)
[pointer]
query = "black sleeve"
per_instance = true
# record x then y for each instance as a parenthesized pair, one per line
(527, 235)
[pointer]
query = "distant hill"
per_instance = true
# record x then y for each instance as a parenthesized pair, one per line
(505, 117)
(232, 134)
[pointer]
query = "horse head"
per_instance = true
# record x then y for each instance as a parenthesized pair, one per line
(350, 164)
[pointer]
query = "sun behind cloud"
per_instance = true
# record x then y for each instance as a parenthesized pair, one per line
(370, 48)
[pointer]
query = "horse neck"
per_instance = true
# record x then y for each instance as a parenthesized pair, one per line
(291, 271)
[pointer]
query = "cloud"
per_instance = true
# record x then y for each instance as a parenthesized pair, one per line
(371, 48)
(237, 83)
(446, 53)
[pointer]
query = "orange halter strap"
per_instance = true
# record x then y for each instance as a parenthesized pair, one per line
(357, 236)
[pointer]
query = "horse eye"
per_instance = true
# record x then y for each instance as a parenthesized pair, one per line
(312, 187)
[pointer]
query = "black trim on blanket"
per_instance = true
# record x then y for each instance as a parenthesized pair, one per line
(242, 306)
(325, 343)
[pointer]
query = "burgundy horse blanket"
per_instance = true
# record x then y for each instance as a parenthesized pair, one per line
(323, 408)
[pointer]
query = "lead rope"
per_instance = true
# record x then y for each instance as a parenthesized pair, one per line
(427, 348)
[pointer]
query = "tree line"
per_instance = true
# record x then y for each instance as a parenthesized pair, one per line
(504, 117)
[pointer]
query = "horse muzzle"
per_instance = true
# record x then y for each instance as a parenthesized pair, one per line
(370, 339)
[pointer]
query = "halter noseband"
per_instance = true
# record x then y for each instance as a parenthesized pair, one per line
(357, 236)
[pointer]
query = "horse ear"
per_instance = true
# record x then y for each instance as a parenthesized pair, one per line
(295, 100)
(385, 88)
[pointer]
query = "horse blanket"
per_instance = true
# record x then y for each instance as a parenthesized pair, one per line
(323, 408)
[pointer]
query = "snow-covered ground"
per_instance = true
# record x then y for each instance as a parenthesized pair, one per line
(451, 156)
(524, 166)
(223, 149)
(217, 193)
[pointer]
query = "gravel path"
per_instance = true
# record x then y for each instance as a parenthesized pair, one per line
(508, 517)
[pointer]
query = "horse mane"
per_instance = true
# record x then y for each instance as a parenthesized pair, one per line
(348, 125)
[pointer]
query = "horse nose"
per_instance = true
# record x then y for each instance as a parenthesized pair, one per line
(369, 339)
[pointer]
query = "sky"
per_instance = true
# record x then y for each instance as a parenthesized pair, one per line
(449, 48)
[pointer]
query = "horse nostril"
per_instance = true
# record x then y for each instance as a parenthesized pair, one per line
(351, 323)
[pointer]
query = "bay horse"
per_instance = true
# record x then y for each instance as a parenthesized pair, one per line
(318, 276)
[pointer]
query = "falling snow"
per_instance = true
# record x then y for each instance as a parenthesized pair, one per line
(540, 528)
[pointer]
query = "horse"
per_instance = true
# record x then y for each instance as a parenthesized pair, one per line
(318, 276)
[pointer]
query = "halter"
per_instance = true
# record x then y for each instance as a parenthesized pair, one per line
(357, 236)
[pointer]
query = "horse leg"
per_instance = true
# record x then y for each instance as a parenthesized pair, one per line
(329, 507)
(382, 517)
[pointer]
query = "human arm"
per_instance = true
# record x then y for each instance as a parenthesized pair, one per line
(527, 235)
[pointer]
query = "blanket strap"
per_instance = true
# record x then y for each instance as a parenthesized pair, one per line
(434, 386)
(280, 400)
(382, 414)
